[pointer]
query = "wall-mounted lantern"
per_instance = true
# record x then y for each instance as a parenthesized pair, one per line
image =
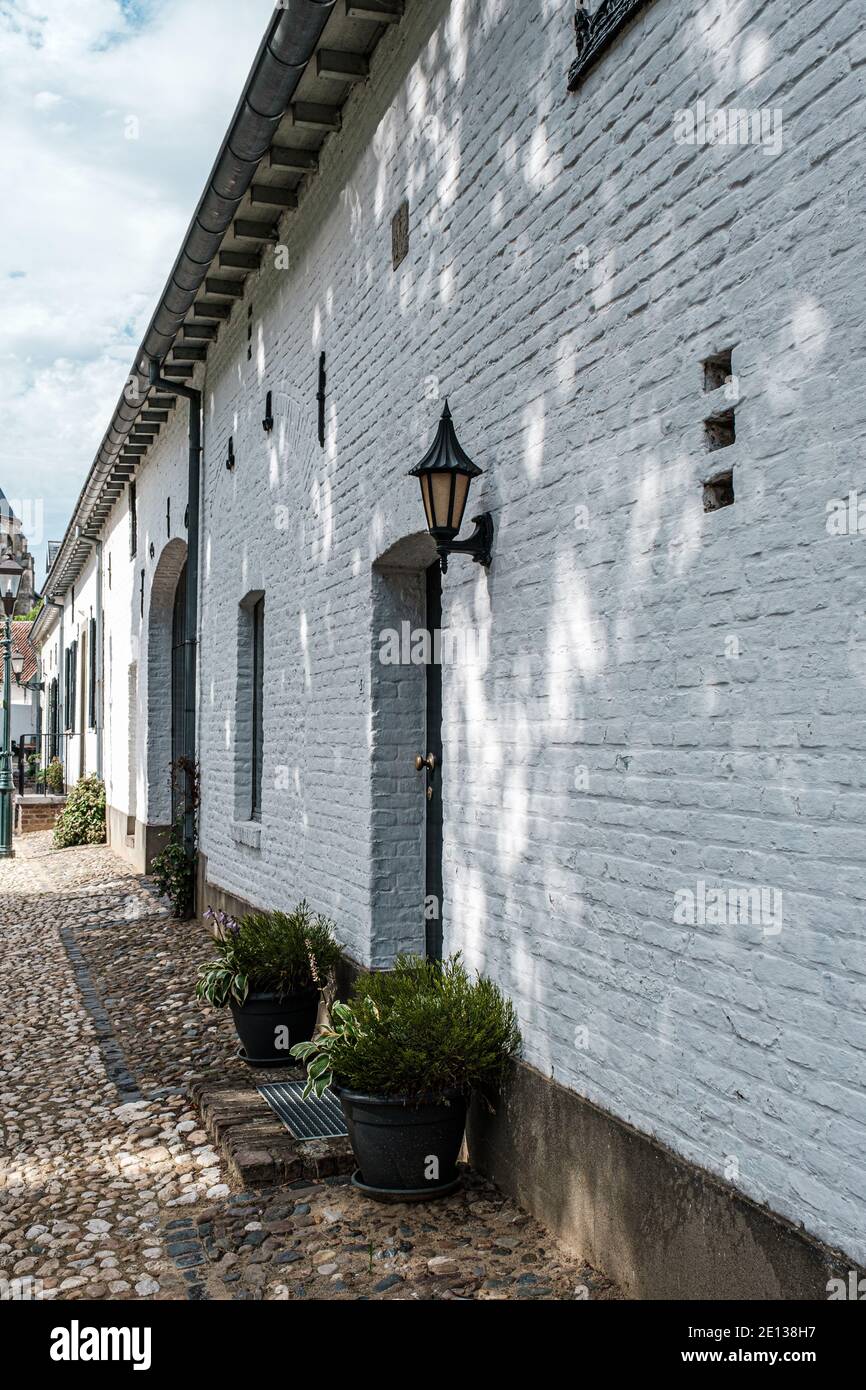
(268, 422)
(10, 582)
(445, 473)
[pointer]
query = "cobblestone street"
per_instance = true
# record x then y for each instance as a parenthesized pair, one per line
(109, 1185)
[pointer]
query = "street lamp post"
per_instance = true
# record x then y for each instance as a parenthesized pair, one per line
(10, 579)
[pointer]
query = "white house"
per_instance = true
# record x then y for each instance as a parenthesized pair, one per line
(23, 712)
(641, 292)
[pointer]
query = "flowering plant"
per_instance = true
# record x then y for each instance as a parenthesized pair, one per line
(268, 953)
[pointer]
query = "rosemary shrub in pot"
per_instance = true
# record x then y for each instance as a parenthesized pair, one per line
(403, 1056)
(269, 970)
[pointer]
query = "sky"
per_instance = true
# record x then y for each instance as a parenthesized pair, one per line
(111, 115)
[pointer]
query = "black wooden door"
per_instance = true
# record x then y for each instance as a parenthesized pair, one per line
(178, 691)
(433, 751)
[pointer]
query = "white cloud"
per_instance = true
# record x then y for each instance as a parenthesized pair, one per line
(92, 219)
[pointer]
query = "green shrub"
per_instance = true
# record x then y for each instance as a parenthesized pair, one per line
(423, 1029)
(54, 776)
(82, 820)
(174, 872)
(268, 953)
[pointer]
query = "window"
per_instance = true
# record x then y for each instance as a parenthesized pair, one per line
(249, 708)
(53, 730)
(91, 674)
(69, 686)
(258, 700)
(133, 522)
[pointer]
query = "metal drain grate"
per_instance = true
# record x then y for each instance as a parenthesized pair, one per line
(305, 1119)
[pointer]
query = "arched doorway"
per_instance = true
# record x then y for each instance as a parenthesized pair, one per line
(406, 694)
(165, 693)
(178, 686)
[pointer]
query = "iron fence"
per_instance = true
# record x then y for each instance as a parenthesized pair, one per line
(32, 756)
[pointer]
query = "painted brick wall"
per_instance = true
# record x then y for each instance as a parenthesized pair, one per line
(663, 697)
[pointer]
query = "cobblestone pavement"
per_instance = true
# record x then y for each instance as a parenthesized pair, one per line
(109, 1186)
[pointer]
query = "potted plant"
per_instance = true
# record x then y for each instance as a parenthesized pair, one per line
(269, 971)
(54, 776)
(403, 1057)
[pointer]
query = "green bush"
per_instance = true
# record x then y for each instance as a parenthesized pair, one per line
(82, 820)
(54, 776)
(174, 872)
(423, 1029)
(268, 953)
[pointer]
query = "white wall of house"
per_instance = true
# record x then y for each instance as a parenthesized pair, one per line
(22, 713)
(661, 697)
(53, 636)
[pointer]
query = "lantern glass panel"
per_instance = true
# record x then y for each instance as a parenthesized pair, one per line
(442, 500)
(425, 495)
(461, 492)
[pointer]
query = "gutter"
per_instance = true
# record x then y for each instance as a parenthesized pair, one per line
(289, 43)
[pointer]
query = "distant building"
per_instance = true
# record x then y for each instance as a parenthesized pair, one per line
(25, 703)
(14, 541)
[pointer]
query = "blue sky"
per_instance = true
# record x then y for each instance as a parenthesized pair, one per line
(111, 113)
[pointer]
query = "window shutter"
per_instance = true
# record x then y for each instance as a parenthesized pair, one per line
(91, 682)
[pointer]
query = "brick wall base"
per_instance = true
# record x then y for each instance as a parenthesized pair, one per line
(660, 1226)
(34, 812)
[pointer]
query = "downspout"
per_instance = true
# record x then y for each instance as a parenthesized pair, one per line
(192, 561)
(98, 639)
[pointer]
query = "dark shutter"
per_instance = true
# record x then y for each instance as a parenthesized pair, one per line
(53, 719)
(258, 617)
(91, 673)
(71, 686)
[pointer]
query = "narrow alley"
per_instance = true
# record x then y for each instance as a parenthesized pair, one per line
(110, 1187)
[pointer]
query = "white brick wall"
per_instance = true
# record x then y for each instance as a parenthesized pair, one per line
(570, 266)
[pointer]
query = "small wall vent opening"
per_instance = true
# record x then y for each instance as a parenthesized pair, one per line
(400, 235)
(719, 431)
(719, 492)
(717, 370)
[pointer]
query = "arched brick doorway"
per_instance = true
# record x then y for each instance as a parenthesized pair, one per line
(164, 699)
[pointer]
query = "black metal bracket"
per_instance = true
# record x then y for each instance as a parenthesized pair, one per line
(320, 398)
(479, 545)
(594, 32)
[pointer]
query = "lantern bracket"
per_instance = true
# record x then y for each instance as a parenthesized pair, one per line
(479, 545)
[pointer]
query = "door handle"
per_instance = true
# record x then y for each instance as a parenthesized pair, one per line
(421, 762)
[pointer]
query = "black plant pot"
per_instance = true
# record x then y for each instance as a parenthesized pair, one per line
(406, 1150)
(260, 1017)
